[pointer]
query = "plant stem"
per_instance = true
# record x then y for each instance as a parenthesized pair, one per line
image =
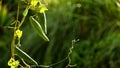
(22, 21)
(14, 35)
(17, 12)
(13, 41)
(12, 46)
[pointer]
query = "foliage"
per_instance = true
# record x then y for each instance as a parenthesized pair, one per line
(94, 22)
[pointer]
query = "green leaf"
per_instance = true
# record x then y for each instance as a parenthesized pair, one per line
(24, 55)
(37, 27)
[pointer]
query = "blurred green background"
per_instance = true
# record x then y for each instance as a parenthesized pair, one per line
(96, 23)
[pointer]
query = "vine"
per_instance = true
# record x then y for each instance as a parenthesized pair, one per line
(38, 7)
(34, 5)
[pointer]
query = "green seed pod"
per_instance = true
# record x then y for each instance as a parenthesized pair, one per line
(38, 28)
(25, 12)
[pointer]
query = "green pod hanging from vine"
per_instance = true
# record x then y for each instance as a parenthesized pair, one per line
(38, 28)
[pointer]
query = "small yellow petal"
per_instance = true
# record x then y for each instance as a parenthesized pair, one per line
(12, 63)
(34, 2)
(43, 9)
(12, 66)
(18, 33)
(15, 63)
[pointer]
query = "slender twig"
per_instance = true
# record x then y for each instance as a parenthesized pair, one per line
(68, 57)
(48, 66)
(45, 24)
(14, 35)
(25, 63)
(13, 41)
(22, 21)
(45, 21)
(69, 54)
(28, 66)
(17, 12)
(12, 45)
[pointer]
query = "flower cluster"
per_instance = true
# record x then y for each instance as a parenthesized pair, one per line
(12, 63)
(18, 33)
(40, 8)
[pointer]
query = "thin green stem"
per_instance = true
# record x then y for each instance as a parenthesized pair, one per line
(17, 12)
(13, 41)
(25, 63)
(45, 24)
(22, 21)
(14, 35)
(69, 54)
(48, 66)
(12, 47)
(45, 20)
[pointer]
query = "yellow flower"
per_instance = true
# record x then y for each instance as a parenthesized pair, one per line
(34, 2)
(18, 33)
(42, 9)
(12, 63)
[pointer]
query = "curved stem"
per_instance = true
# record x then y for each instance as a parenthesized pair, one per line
(13, 41)
(22, 21)
(14, 35)
(45, 24)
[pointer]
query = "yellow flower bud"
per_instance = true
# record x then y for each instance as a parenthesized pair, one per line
(34, 2)
(12, 63)
(19, 33)
(42, 9)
